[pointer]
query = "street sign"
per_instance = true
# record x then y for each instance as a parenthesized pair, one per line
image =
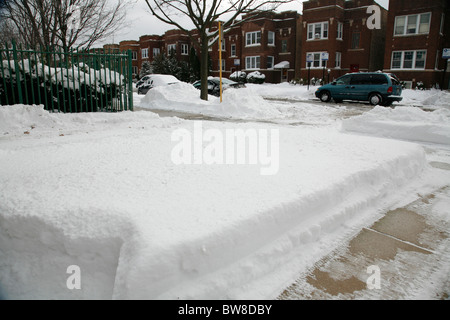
(310, 57)
(237, 62)
(324, 56)
(446, 53)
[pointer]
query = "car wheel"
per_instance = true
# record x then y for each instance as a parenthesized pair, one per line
(375, 99)
(325, 96)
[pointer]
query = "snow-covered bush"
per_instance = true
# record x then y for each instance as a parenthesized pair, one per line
(77, 88)
(256, 77)
(239, 76)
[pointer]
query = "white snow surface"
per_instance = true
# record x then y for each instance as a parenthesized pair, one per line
(100, 191)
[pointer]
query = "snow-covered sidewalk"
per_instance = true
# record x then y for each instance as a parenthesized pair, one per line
(101, 192)
(106, 193)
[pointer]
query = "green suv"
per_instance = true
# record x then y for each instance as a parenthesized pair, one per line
(375, 87)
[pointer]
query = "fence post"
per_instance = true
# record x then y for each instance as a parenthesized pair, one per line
(17, 71)
(130, 80)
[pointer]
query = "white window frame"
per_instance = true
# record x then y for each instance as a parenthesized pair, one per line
(441, 30)
(413, 61)
(144, 53)
(321, 66)
(270, 62)
(340, 31)
(417, 26)
(338, 61)
(156, 52)
(311, 31)
(223, 65)
(171, 47)
(253, 38)
(184, 49)
(271, 43)
(222, 47)
(233, 50)
(436, 63)
(253, 63)
(134, 55)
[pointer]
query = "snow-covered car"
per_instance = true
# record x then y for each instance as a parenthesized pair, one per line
(141, 81)
(214, 85)
(155, 80)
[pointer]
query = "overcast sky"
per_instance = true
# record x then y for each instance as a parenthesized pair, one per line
(141, 22)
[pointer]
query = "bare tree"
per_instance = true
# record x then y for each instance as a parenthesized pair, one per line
(205, 14)
(65, 23)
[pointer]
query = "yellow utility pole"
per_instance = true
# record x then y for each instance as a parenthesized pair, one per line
(220, 59)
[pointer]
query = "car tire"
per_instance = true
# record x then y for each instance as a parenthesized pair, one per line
(325, 96)
(375, 99)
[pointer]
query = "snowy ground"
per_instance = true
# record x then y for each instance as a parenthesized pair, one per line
(102, 191)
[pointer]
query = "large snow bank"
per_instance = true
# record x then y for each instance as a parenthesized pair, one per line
(112, 202)
(237, 103)
(426, 98)
(407, 123)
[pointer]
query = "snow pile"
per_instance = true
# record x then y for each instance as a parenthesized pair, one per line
(114, 204)
(237, 103)
(406, 123)
(427, 98)
(283, 91)
(18, 119)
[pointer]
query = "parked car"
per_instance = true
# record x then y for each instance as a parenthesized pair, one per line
(375, 87)
(214, 85)
(142, 80)
(155, 80)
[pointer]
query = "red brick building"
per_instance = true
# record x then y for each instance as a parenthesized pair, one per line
(416, 35)
(268, 44)
(337, 30)
(135, 49)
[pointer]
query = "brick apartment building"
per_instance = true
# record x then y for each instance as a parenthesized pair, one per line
(268, 44)
(338, 28)
(410, 42)
(416, 35)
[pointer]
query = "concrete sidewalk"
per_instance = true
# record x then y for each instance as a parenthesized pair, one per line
(403, 255)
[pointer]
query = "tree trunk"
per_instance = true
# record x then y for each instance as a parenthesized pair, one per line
(204, 67)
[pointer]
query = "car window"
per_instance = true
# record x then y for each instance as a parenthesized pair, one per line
(343, 80)
(379, 79)
(394, 79)
(360, 79)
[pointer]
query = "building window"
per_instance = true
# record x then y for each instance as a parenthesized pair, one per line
(338, 59)
(442, 23)
(156, 52)
(171, 48)
(318, 62)
(412, 24)
(184, 49)
(134, 55)
(340, 31)
(410, 60)
(284, 46)
(223, 65)
(252, 62)
(144, 53)
(253, 38)
(318, 31)
(222, 47)
(356, 37)
(270, 62)
(271, 38)
(436, 64)
(135, 70)
(233, 50)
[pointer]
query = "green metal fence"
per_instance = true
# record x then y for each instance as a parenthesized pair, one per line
(74, 81)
